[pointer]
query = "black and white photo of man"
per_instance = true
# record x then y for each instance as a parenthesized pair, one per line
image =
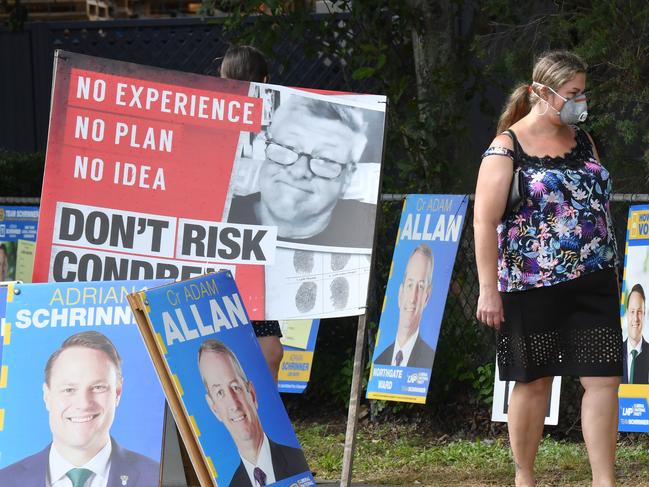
(312, 151)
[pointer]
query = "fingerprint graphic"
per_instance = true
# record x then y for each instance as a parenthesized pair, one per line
(303, 261)
(339, 261)
(339, 289)
(305, 296)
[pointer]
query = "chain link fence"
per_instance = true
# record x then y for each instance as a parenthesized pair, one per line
(466, 344)
(462, 376)
(189, 45)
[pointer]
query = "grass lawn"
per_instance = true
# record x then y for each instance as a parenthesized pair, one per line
(401, 455)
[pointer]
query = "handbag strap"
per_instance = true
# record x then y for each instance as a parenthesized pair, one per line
(517, 147)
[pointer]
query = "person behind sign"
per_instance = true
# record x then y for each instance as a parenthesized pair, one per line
(636, 348)
(247, 63)
(233, 400)
(312, 151)
(82, 389)
(409, 349)
(547, 268)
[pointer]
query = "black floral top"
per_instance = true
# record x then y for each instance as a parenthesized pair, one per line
(563, 229)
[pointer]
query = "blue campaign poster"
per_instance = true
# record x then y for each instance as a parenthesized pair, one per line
(3, 309)
(424, 255)
(219, 373)
(295, 369)
(86, 400)
(634, 390)
(18, 226)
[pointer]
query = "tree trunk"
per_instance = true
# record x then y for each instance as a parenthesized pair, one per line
(433, 41)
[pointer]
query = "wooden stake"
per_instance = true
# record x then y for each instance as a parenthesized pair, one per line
(354, 402)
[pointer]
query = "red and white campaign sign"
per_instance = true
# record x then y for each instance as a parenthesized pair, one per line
(153, 173)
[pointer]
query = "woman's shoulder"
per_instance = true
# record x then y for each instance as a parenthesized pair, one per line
(501, 146)
(503, 139)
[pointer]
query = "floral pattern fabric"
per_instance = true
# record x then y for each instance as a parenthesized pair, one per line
(563, 229)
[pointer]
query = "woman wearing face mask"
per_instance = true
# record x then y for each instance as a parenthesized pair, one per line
(547, 268)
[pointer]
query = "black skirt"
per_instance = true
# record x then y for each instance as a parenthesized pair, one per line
(267, 328)
(571, 328)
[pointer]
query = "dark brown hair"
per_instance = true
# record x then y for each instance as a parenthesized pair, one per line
(86, 339)
(637, 288)
(245, 63)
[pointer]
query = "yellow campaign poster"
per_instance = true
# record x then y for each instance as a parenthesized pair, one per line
(295, 333)
(18, 226)
(299, 338)
(25, 260)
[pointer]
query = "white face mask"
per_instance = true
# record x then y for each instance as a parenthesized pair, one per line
(574, 110)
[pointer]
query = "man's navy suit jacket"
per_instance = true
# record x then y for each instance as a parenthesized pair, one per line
(287, 462)
(422, 355)
(125, 465)
(641, 369)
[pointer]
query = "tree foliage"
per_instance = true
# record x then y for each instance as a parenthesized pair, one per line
(446, 68)
(374, 44)
(613, 37)
(22, 174)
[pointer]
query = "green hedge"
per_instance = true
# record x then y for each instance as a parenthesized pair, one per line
(22, 174)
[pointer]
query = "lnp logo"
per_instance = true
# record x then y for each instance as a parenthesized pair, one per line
(638, 409)
(124, 479)
(418, 378)
(422, 378)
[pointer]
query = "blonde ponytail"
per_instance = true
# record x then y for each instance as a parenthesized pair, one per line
(518, 105)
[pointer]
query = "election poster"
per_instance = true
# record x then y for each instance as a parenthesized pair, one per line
(17, 242)
(298, 340)
(503, 393)
(219, 388)
(153, 173)
(634, 390)
(3, 310)
(77, 385)
(413, 306)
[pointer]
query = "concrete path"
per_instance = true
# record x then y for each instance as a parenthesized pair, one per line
(336, 483)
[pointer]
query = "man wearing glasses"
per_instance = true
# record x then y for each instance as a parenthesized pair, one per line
(312, 151)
